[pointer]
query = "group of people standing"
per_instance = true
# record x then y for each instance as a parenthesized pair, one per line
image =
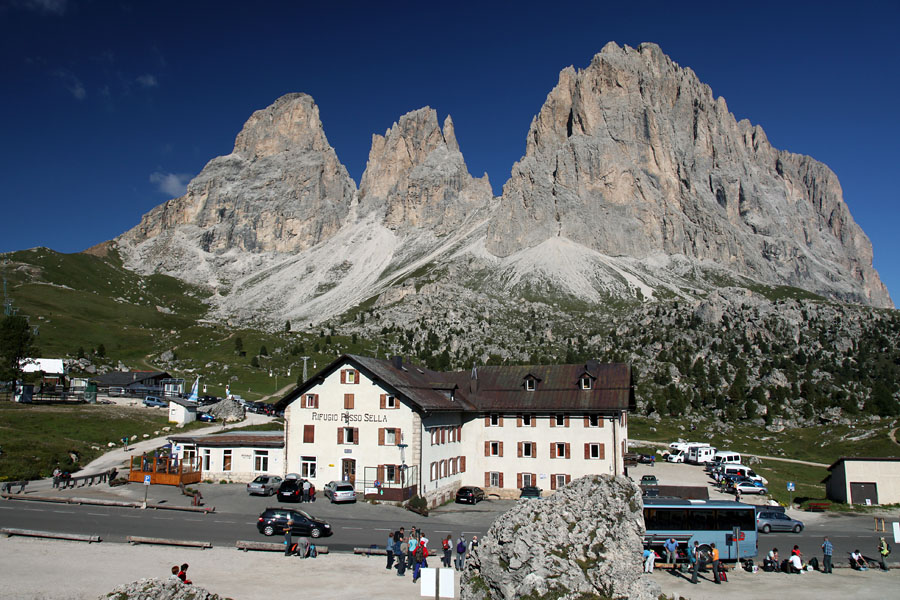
(411, 551)
(698, 556)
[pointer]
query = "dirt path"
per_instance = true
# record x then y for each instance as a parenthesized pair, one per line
(759, 456)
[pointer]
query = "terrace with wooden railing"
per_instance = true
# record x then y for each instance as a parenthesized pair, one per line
(163, 470)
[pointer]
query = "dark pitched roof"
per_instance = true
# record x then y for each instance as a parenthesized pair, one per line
(126, 378)
(495, 388)
(261, 439)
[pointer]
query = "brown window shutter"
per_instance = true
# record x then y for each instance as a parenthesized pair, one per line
(309, 434)
(487, 448)
(519, 446)
(587, 421)
(552, 449)
(348, 401)
(501, 421)
(487, 421)
(534, 479)
(343, 376)
(356, 435)
(552, 482)
(567, 421)
(316, 401)
(459, 433)
(501, 479)
(487, 479)
(533, 450)
(568, 478)
(380, 473)
(533, 420)
(587, 450)
(602, 451)
(356, 379)
(501, 452)
(600, 421)
(462, 464)
(552, 420)
(519, 480)
(381, 436)
(398, 436)
(443, 435)
(340, 435)
(519, 421)
(383, 401)
(568, 454)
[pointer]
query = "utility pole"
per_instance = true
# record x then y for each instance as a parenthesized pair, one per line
(304, 359)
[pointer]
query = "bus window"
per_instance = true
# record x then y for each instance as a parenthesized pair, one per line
(702, 520)
(729, 519)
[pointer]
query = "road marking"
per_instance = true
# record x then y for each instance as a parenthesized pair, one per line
(33, 509)
(380, 529)
(164, 518)
(224, 521)
(351, 527)
(98, 514)
(442, 531)
(130, 516)
(6, 507)
(64, 512)
(198, 520)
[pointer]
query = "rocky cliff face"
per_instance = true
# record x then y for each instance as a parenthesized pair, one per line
(282, 189)
(417, 176)
(635, 180)
(634, 157)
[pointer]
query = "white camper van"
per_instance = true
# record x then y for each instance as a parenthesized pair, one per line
(699, 455)
(726, 457)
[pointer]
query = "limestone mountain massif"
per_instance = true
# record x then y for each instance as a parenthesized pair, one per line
(636, 183)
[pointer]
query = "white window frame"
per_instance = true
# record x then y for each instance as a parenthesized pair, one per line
(586, 382)
(390, 473)
(260, 461)
(558, 446)
(560, 420)
(594, 419)
(308, 467)
(560, 480)
(309, 400)
(526, 420)
(350, 376)
(527, 449)
(207, 457)
(390, 436)
(526, 480)
(494, 420)
(227, 465)
(494, 448)
(494, 478)
(390, 402)
(442, 465)
(530, 384)
(348, 436)
(594, 451)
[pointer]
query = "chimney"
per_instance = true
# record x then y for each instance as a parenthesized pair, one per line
(473, 381)
(397, 362)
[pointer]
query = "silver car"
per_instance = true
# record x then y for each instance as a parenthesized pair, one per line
(768, 520)
(265, 485)
(339, 491)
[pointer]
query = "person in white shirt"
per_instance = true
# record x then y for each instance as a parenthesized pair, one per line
(796, 565)
(857, 561)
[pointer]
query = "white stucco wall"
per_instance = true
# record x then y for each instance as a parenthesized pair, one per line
(243, 467)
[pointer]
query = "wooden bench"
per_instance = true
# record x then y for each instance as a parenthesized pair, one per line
(818, 506)
(9, 485)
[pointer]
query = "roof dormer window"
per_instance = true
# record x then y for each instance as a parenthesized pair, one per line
(530, 384)
(586, 382)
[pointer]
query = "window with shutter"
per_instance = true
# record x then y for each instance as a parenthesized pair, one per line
(382, 402)
(519, 449)
(340, 435)
(462, 464)
(501, 480)
(348, 401)
(519, 480)
(309, 434)
(381, 436)
(356, 435)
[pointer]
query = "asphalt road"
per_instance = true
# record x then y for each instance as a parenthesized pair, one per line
(354, 525)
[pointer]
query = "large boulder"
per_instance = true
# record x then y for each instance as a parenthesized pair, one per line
(584, 541)
(159, 589)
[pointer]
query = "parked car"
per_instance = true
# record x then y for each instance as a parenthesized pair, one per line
(206, 400)
(339, 491)
(265, 485)
(116, 391)
(649, 480)
(469, 494)
(773, 520)
(272, 521)
(676, 457)
(290, 490)
(154, 401)
(206, 418)
(750, 487)
(530, 491)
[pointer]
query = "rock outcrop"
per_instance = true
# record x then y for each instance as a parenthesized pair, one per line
(634, 156)
(159, 589)
(417, 176)
(583, 541)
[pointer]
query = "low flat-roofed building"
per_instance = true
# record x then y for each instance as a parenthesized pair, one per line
(864, 480)
(233, 456)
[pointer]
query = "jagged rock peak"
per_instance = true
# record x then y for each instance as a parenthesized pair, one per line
(417, 175)
(633, 156)
(290, 123)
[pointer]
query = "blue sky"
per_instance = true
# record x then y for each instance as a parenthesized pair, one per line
(110, 107)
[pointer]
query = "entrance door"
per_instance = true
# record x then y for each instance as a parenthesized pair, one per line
(860, 492)
(348, 470)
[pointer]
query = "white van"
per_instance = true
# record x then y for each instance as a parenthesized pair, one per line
(742, 471)
(726, 457)
(676, 456)
(699, 455)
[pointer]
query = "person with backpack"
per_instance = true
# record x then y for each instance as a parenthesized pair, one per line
(460, 552)
(703, 559)
(884, 549)
(389, 548)
(447, 546)
(399, 545)
(418, 561)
